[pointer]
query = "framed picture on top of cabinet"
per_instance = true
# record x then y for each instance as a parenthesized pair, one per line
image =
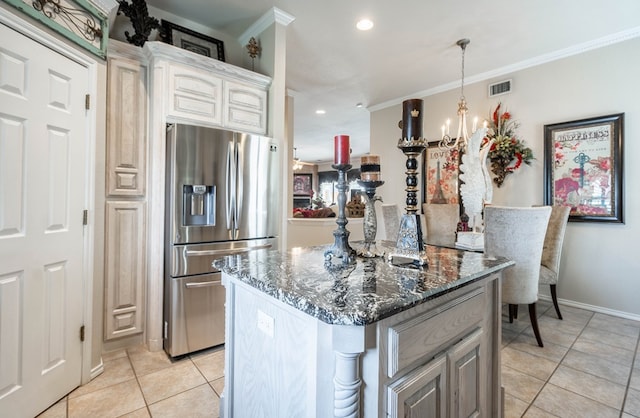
(583, 168)
(440, 174)
(192, 41)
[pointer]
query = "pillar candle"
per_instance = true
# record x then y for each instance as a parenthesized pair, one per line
(341, 149)
(412, 119)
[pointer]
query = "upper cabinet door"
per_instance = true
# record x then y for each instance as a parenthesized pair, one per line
(194, 95)
(245, 108)
(127, 134)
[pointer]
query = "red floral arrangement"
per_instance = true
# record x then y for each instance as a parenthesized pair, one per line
(507, 153)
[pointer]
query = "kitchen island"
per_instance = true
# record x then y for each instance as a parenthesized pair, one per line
(309, 338)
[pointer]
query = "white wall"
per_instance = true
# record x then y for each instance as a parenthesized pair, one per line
(600, 260)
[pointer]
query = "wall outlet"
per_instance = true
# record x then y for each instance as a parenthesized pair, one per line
(265, 323)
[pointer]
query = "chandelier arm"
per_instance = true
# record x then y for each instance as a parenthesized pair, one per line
(462, 138)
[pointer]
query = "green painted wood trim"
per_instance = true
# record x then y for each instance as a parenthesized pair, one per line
(66, 32)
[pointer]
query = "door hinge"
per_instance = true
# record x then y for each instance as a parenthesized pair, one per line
(87, 101)
(82, 333)
(85, 217)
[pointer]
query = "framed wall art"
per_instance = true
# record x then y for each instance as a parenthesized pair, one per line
(192, 41)
(583, 167)
(440, 175)
(302, 184)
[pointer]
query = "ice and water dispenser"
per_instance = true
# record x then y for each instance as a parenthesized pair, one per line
(198, 205)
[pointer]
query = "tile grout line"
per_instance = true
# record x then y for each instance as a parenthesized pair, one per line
(557, 365)
(633, 362)
(135, 373)
(621, 410)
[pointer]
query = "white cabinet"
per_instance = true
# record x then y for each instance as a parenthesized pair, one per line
(126, 127)
(207, 92)
(124, 268)
(437, 359)
(195, 95)
(126, 192)
(421, 393)
(245, 108)
(447, 386)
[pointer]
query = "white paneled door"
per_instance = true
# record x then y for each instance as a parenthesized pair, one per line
(42, 198)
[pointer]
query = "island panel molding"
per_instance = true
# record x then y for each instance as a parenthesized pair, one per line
(329, 347)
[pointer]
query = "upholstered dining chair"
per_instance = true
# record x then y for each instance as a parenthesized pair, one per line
(391, 221)
(441, 221)
(517, 233)
(552, 251)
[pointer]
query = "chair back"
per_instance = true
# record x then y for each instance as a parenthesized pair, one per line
(391, 221)
(441, 221)
(554, 238)
(517, 233)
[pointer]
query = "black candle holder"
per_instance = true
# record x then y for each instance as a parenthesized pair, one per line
(370, 222)
(341, 248)
(410, 243)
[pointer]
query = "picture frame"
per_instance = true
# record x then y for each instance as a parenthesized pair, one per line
(192, 41)
(583, 167)
(440, 168)
(302, 184)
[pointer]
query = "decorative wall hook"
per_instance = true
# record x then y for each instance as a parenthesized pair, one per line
(254, 49)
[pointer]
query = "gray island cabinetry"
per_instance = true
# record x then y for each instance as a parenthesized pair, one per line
(309, 339)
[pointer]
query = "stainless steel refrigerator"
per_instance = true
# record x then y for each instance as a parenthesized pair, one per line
(222, 198)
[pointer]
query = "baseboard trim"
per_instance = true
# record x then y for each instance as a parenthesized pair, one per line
(593, 308)
(97, 371)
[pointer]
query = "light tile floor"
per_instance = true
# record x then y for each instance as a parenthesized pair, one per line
(137, 383)
(589, 367)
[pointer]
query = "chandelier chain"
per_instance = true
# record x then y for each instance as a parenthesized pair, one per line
(462, 78)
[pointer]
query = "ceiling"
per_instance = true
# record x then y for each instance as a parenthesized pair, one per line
(410, 51)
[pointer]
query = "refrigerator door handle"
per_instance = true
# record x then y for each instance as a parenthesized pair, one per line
(239, 189)
(191, 285)
(191, 253)
(231, 181)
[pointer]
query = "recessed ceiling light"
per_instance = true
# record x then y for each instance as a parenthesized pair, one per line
(364, 24)
(359, 105)
(320, 112)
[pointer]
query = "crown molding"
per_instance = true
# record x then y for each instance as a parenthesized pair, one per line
(273, 15)
(519, 66)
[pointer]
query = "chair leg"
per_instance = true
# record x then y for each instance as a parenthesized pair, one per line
(511, 313)
(554, 296)
(534, 323)
(515, 311)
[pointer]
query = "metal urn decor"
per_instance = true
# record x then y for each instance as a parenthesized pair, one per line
(370, 181)
(410, 243)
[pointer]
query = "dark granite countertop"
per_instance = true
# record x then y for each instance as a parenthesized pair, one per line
(359, 294)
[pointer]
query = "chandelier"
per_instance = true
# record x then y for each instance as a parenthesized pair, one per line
(462, 138)
(297, 165)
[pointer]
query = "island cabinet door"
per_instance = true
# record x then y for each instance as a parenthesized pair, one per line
(447, 386)
(420, 393)
(466, 370)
